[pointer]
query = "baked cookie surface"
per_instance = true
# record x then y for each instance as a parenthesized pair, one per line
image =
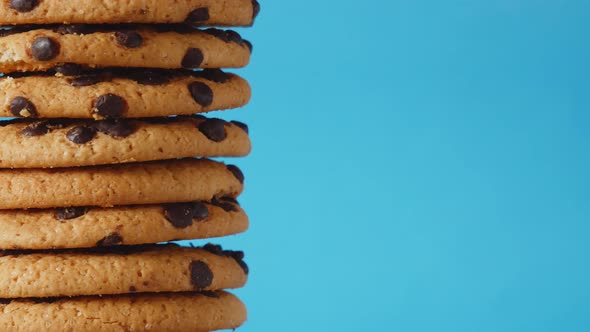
(113, 93)
(199, 12)
(85, 227)
(119, 270)
(68, 143)
(39, 48)
(166, 312)
(171, 181)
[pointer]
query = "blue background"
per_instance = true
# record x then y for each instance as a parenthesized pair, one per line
(418, 166)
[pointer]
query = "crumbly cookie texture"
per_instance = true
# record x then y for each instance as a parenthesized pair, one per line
(199, 12)
(119, 270)
(167, 312)
(121, 94)
(171, 181)
(68, 143)
(134, 46)
(85, 227)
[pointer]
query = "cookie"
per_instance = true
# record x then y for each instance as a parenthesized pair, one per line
(166, 312)
(84, 227)
(119, 270)
(199, 12)
(171, 181)
(121, 94)
(134, 46)
(67, 143)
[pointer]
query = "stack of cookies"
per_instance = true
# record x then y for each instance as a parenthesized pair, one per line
(106, 162)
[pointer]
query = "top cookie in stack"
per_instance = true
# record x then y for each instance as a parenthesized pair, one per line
(101, 153)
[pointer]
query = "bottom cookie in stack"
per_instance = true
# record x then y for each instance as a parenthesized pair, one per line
(166, 312)
(159, 287)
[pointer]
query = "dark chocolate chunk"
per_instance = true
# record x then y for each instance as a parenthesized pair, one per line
(69, 69)
(225, 35)
(193, 58)
(81, 134)
(38, 128)
(149, 77)
(236, 172)
(214, 249)
(201, 275)
(255, 9)
(70, 213)
(23, 6)
(112, 239)
(198, 15)
(248, 45)
(22, 107)
(182, 215)
(215, 75)
(214, 129)
(110, 106)
(44, 48)
(201, 93)
(129, 39)
(242, 125)
(85, 80)
(227, 206)
(73, 29)
(210, 294)
(115, 128)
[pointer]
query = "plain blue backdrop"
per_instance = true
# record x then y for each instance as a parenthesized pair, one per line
(418, 166)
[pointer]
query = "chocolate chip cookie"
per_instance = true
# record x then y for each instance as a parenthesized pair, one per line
(198, 12)
(41, 48)
(119, 270)
(170, 181)
(68, 142)
(119, 93)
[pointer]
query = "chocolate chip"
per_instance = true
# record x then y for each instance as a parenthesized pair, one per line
(23, 6)
(44, 48)
(242, 125)
(182, 215)
(198, 15)
(85, 80)
(73, 29)
(193, 58)
(22, 107)
(38, 128)
(210, 294)
(69, 69)
(214, 129)
(132, 289)
(115, 128)
(236, 172)
(215, 75)
(244, 266)
(214, 249)
(255, 9)
(248, 45)
(225, 35)
(201, 93)
(149, 77)
(112, 239)
(81, 134)
(70, 213)
(110, 106)
(201, 275)
(225, 205)
(129, 39)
